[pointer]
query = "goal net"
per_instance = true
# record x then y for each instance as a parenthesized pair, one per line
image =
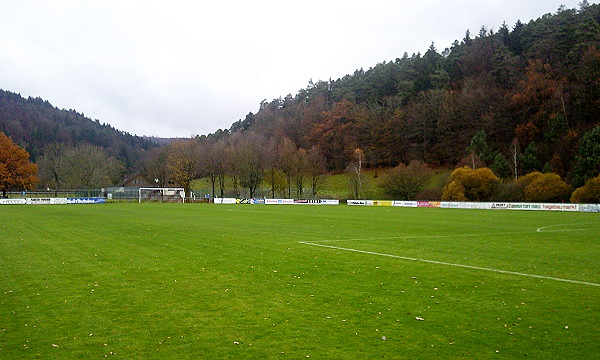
(172, 195)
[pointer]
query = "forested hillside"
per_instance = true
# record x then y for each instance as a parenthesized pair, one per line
(35, 124)
(530, 92)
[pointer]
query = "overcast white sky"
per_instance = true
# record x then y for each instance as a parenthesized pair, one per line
(181, 68)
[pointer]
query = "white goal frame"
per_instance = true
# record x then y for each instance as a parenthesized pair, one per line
(164, 192)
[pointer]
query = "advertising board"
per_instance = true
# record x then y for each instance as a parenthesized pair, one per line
(383, 203)
(449, 205)
(481, 205)
(405, 203)
(279, 201)
(88, 200)
(46, 201)
(560, 207)
(305, 201)
(589, 208)
(13, 201)
(39, 201)
(225, 200)
(429, 204)
(523, 206)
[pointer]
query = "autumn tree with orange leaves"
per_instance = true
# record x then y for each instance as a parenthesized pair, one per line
(335, 135)
(16, 171)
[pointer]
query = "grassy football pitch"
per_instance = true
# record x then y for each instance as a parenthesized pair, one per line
(192, 281)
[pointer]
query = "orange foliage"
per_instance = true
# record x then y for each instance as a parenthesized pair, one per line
(334, 135)
(526, 133)
(541, 97)
(16, 171)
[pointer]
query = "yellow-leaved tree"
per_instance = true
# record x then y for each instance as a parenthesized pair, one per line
(466, 184)
(549, 187)
(588, 193)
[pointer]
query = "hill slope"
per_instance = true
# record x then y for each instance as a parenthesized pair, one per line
(34, 124)
(533, 90)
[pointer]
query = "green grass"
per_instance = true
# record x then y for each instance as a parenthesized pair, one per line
(194, 281)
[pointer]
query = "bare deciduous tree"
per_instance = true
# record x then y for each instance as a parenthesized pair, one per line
(272, 172)
(300, 171)
(355, 170)
(287, 160)
(184, 162)
(251, 162)
(53, 166)
(317, 167)
(155, 166)
(89, 166)
(405, 181)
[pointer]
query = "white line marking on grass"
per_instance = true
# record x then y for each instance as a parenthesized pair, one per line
(451, 264)
(543, 228)
(424, 236)
(540, 230)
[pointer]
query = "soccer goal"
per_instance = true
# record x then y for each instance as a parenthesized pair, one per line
(173, 195)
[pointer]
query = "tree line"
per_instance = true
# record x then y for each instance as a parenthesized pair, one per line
(245, 165)
(533, 90)
(36, 125)
(241, 163)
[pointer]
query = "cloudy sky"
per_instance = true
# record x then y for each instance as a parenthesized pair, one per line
(180, 68)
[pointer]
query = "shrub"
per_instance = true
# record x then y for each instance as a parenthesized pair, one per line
(524, 181)
(454, 191)
(470, 184)
(589, 193)
(538, 187)
(405, 181)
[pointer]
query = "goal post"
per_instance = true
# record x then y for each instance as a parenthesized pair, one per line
(174, 195)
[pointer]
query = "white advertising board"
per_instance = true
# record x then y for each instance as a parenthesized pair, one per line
(329, 202)
(405, 203)
(46, 201)
(561, 207)
(279, 201)
(13, 201)
(360, 202)
(523, 206)
(225, 201)
(589, 207)
(485, 205)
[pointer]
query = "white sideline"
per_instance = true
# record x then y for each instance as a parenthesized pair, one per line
(422, 236)
(452, 264)
(540, 230)
(543, 228)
